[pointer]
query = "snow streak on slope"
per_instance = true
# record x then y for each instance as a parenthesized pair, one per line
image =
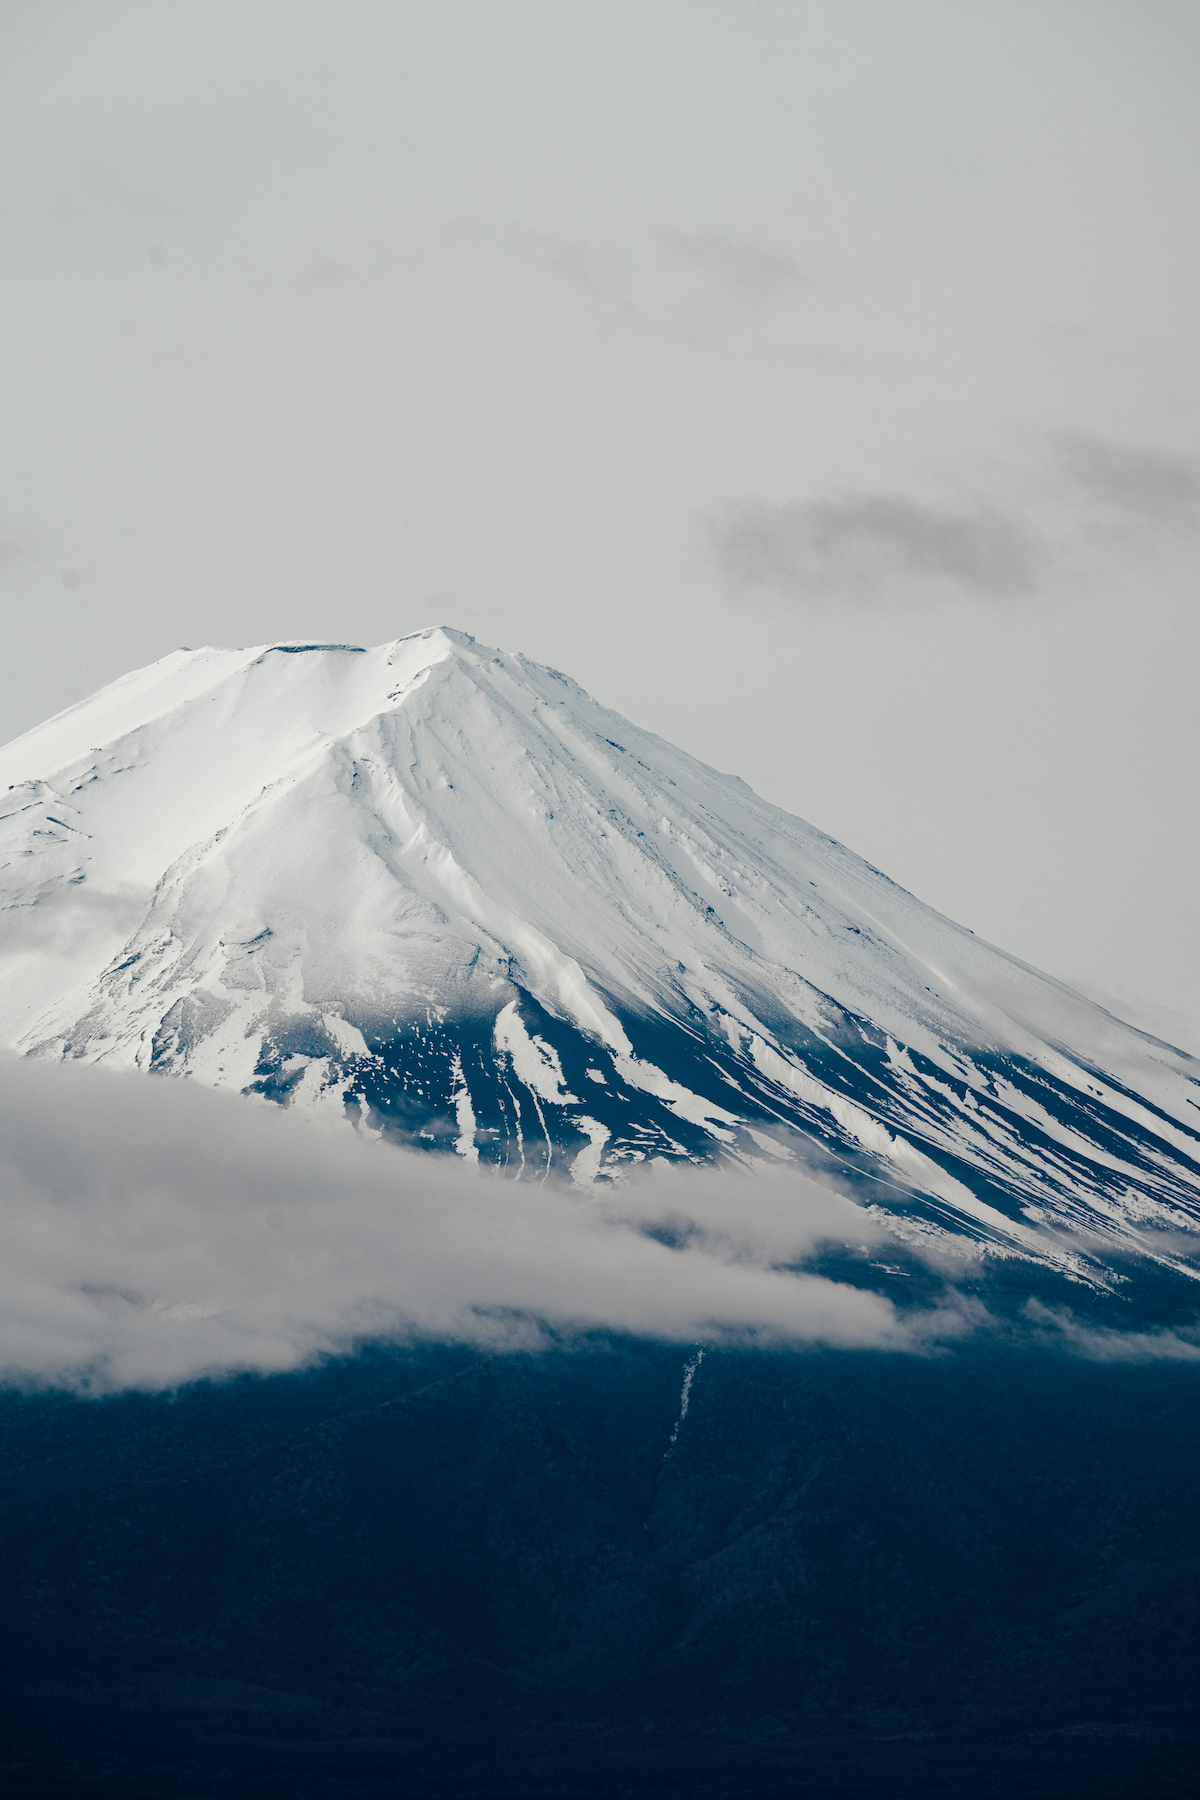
(439, 889)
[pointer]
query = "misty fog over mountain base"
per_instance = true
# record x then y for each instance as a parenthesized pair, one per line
(440, 1571)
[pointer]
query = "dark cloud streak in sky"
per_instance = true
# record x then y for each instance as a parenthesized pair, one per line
(862, 546)
(888, 548)
(755, 271)
(1154, 488)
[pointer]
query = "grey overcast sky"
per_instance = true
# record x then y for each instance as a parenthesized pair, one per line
(816, 383)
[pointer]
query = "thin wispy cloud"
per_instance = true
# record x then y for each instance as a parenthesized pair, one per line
(1058, 1327)
(867, 546)
(1151, 488)
(752, 270)
(666, 283)
(11, 552)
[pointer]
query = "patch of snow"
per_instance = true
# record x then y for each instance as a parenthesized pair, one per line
(348, 1038)
(586, 1166)
(685, 1395)
(464, 1112)
(534, 1061)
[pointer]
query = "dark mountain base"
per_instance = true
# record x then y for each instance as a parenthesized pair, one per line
(436, 1573)
(99, 1756)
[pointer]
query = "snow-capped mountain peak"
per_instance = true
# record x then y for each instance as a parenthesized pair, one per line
(436, 888)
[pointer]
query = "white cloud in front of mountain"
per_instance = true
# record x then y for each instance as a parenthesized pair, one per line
(156, 1232)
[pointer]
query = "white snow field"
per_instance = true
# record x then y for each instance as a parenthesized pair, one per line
(436, 890)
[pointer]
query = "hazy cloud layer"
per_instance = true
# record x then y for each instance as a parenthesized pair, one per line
(861, 546)
(155, 1232)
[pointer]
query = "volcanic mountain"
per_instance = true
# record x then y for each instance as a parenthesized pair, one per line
(438, 891)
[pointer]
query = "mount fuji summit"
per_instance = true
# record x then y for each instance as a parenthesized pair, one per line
(437, 891)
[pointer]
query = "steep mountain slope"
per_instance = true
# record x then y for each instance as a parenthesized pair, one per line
(439, 889)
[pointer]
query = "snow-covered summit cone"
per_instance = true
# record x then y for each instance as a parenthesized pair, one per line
(439, 889)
